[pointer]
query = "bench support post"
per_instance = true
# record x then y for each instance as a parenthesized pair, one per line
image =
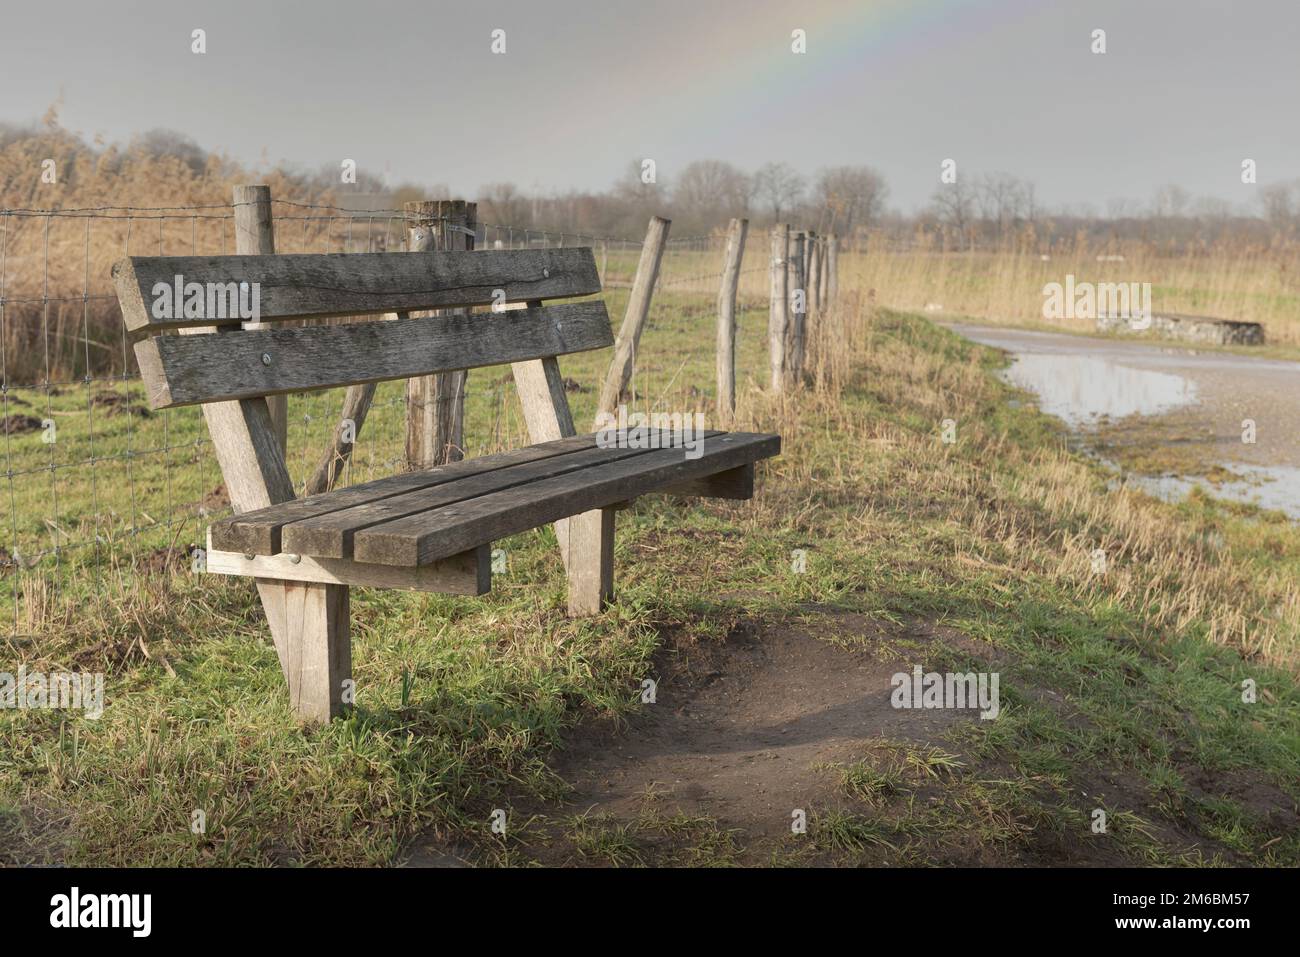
(318, 646)
(591, 562)
(309, 622)
(586, 541)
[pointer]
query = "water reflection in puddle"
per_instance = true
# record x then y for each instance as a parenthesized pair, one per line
(1082, 389)
(1273, 487)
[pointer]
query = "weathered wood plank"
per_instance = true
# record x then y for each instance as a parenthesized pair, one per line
(244, 440)
(255, 236)
(469, 573)
(185, 370)
(313, 286)
(249, 441)
(331, 535)
(422, 538)
(257, 531)
(591, 563)
(319, 656)
(737, 483)
(545, 404)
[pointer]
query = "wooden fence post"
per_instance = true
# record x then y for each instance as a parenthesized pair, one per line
(638, 308)
(357, 401)
(808, 235)
(726, 358)
(778, 319)
(435, 405)
(814, 272)
(798, 308)
(832, 268)
(255, 236)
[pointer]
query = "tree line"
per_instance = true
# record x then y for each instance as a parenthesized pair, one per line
(974, 210)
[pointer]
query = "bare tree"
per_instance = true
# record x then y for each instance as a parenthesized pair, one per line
(780, 186)
(1170, 200)
(635, 200)
(502, 204)
(1121, 207)
(1004, 200)
(849, 196)
(954, 205)
(711, 191)
(632, 186)
(1278, 202)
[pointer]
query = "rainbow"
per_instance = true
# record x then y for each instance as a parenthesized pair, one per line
(841, 37)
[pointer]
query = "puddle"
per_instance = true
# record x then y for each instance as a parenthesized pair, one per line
(1083, 382)
(1273, 487)
(1082, 389)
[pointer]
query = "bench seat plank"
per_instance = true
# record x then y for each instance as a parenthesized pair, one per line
(469, 573)
(331, 535)
(258, 532)
(426, 537)
(186, 370)
(317, 286)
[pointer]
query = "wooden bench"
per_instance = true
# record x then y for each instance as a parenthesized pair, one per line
(428, 530)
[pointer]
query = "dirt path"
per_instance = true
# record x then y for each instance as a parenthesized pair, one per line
(749, 730)
(743, 733)
(740, 728)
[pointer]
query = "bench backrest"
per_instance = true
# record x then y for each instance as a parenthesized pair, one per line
(218, 294)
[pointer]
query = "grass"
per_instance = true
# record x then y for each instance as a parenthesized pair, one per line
(1121, 691)
(1222, 279)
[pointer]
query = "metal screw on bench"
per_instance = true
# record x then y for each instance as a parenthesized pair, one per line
(266, 358)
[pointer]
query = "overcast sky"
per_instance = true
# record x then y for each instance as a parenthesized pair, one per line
(411, 90)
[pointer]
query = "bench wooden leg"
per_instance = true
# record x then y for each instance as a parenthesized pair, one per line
(590, 562)
(317, 656)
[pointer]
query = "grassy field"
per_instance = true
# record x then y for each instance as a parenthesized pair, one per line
(1225, 281)
(1121, 690)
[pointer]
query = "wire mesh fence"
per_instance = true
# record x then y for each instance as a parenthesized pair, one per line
(93, 478)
